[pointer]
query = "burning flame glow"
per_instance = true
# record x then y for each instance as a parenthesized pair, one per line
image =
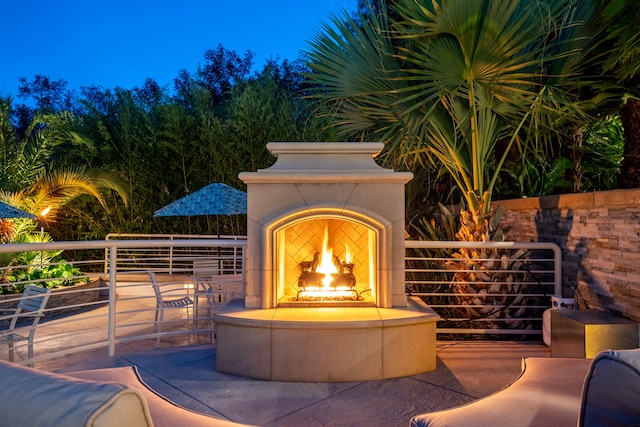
(328, 268)
(326, 265)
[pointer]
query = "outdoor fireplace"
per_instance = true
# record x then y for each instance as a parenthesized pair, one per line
(325, 272)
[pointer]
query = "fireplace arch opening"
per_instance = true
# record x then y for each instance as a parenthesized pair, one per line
(326, 259)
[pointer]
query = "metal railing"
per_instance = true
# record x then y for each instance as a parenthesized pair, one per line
(172, 259)
(116, 306)
(480, 288)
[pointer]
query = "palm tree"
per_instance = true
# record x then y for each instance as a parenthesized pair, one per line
(448, 80)
(445, 82)
(30, 173)
(621, 46)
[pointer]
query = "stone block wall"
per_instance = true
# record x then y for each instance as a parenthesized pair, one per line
(599, 234)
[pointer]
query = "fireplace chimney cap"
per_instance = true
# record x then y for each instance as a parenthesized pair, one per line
(325, 162)
(371, 149)
(325, 156)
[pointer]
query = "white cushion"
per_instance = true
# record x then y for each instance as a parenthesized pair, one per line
(42, 399)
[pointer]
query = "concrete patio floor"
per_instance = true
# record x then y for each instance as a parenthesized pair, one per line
(182, 369)
(186, 375)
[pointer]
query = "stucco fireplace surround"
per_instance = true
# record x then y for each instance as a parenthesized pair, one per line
(325, 206)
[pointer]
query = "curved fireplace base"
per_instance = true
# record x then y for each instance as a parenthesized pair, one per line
(326, 344)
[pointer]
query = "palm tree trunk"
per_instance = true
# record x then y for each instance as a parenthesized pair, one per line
(630, 172)
(576, 173)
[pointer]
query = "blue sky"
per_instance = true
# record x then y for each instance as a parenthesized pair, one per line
(121, 43)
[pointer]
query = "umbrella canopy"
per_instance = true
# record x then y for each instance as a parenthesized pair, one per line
(8, 211)
(214, 199)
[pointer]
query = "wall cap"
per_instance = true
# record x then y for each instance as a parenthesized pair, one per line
(596, 199)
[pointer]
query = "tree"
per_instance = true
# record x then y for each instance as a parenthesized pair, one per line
(446, 81)
(222, 71)
(32, 177)
(621, 63)
(459, 85)
(47, 96)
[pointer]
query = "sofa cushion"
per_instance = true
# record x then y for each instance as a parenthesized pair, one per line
(611, 392)
(547, 393)
(164, 412)
(41, 399)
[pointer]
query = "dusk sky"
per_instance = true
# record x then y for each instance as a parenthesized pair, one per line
(122, 42)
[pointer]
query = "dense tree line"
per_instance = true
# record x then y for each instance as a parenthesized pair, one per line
(163, 143)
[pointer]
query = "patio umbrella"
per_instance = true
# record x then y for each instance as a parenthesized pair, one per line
(214, 199)
(8, 212)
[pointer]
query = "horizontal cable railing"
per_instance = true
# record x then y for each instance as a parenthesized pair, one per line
(111, 304)
(110, 301)
(180, 259)
(485, 288)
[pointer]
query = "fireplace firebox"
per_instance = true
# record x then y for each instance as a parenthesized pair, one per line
(325, 272)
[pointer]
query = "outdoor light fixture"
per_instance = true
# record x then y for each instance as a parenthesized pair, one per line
(42, 222)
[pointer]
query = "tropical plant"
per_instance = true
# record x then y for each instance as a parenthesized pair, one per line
(535, 179)
(449, 80)
(33, 179)
(603, 153)
(60, 273)
(31, 176)
(445, 82)
(620, 90)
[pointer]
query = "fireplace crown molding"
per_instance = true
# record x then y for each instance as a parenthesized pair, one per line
(325, 162)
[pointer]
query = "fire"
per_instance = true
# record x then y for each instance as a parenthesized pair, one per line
(326, 265)
(332, 271)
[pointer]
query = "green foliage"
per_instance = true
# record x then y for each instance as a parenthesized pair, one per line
(602, 153)
(55, 275)
(623, 30)
(444, 82)
(33, 174)
(535, 179)
(46, 268)
(165, 145)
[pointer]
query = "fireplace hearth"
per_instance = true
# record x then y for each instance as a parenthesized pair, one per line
(325, 286)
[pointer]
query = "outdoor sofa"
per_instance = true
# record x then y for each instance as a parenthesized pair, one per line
(112, 397)
(557, 392)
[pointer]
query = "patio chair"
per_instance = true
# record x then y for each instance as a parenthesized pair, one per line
(218, 290)
(228, 286)
(162, 303)
(30, 306)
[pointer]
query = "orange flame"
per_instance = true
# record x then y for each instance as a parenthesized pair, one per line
(326, 265)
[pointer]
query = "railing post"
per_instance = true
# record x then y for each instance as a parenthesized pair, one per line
(171, 257)
(557, 271)
(113, 265)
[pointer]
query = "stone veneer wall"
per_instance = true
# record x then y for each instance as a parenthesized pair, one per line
(599, 234)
